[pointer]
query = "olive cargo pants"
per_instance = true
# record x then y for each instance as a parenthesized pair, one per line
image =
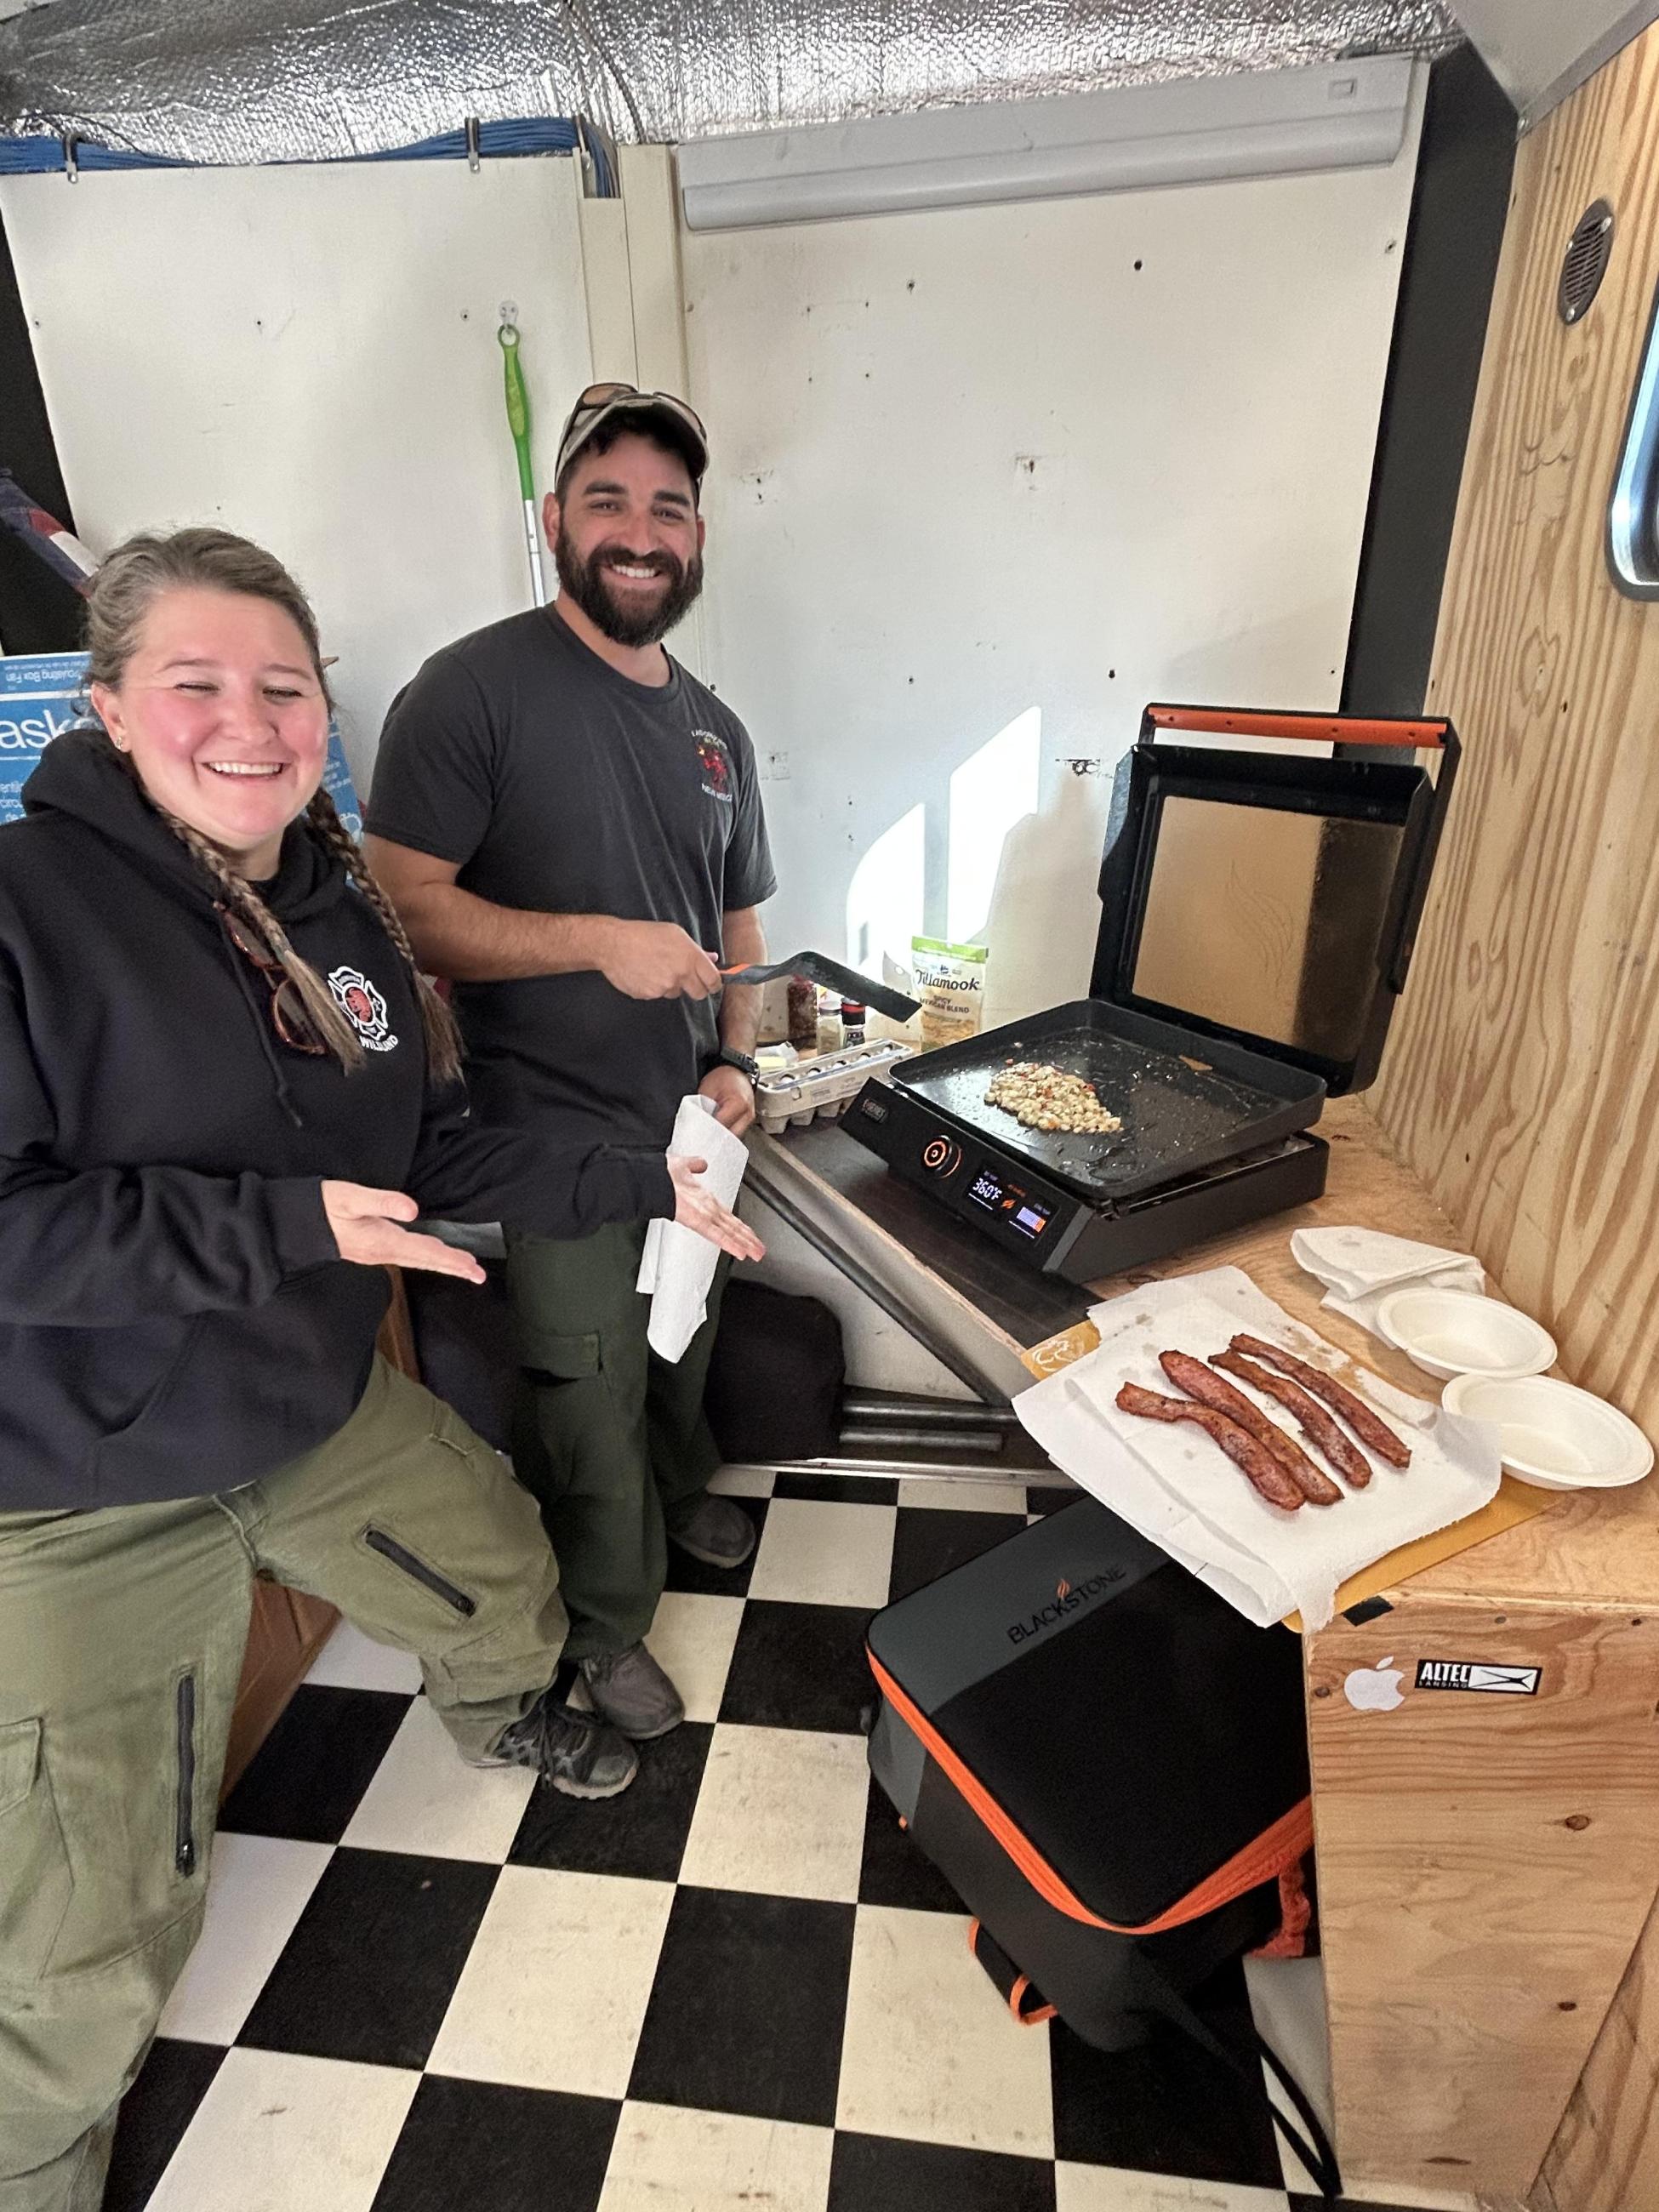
(610, 1439)
(121, 1639)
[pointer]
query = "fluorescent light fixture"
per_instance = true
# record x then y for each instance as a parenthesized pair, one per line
(1276, 123)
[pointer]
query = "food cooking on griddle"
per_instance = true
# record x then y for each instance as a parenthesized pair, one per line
(1044, 1097)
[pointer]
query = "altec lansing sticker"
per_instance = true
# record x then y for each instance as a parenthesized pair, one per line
(1471, 1674)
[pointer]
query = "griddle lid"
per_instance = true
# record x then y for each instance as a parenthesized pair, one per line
(1272, 897)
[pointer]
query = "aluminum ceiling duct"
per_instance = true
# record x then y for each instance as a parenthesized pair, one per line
(242, 81)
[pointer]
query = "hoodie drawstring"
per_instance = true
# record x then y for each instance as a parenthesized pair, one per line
(257, 1008)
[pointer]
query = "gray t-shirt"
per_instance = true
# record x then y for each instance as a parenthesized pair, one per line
(559, 784)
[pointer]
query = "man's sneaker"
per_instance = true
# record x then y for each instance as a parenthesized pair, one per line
(718, 1532)
(575, 1751)
(630, 1691)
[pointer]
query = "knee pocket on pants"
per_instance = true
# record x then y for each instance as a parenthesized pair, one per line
(455, 1544)
(549, 1359)
(36, 1884)
(381, 1541)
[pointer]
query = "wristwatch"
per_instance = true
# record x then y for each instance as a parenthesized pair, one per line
(727, 1058)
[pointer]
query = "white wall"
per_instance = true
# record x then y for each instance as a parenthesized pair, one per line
(308, 356)
(981, 486)
(984, 482)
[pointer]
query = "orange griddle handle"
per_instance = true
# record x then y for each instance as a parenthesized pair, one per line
(1311, 729)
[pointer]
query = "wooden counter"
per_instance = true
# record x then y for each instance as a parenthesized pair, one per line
(1486, 1863)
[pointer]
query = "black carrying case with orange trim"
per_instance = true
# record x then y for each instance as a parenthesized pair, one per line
(1107, 1762)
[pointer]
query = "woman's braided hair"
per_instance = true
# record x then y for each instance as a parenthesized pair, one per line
(127, 586)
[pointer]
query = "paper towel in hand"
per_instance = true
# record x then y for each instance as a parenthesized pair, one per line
(1360, 1268)
(677, 1267)
(1176, 1486)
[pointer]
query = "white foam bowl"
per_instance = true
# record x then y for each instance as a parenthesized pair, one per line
(1553, 1436)
(1448, 1333)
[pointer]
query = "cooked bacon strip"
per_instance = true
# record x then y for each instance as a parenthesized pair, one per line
(1263, 1469)
(1317, 1425)
(1375, 1434)
(1210, 1389)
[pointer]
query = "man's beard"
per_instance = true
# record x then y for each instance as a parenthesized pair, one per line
(621, 622)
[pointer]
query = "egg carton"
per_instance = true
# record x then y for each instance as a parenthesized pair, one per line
(823, 1086)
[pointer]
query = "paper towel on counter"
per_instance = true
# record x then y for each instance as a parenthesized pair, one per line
(1360, 1268)
(1177, 1487)
(677, 1267)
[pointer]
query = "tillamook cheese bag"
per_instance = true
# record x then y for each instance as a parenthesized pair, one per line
(950, 980)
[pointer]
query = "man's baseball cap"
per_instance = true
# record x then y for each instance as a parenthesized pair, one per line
(670, 418)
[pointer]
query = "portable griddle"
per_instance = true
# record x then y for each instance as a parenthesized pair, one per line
(1258, 915)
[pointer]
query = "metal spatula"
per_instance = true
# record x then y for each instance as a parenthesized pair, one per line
(862, 990)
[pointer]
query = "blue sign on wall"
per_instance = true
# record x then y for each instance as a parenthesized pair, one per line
(40, 694)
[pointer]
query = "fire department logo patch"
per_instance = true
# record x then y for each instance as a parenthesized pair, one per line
(716, 763)
(364, 1008)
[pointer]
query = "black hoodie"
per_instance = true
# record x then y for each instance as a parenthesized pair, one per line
(174, 1314)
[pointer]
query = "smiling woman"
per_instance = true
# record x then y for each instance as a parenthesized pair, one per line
(206, 671)
(225, 719)
(227, 1095)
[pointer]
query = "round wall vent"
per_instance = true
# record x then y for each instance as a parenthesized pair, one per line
(1588, 249)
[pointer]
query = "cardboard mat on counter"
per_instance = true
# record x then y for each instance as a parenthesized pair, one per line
(1516, 1502)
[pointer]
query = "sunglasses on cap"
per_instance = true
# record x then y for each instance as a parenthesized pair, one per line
(600, 401)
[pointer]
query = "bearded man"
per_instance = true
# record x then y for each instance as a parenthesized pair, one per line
(571, 825)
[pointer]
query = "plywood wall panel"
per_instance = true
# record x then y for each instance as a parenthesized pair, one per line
(1605, 2156)
(1522, 1081)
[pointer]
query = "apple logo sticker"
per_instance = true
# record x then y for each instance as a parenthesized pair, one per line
(1374, 1689)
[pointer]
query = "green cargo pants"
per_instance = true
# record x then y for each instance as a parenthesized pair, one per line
(612, 1440)
(121, 1640)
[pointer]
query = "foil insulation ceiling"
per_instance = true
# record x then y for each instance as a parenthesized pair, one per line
(247, 80)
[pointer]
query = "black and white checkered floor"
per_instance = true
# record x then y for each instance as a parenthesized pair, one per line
(737, 1986)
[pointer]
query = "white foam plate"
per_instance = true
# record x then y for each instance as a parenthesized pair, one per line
(1552, 1435)
(1449, 1333)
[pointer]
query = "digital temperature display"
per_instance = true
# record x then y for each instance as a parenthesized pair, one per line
(1010, 1203)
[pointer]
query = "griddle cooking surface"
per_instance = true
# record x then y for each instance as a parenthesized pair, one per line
(1177, 1116)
